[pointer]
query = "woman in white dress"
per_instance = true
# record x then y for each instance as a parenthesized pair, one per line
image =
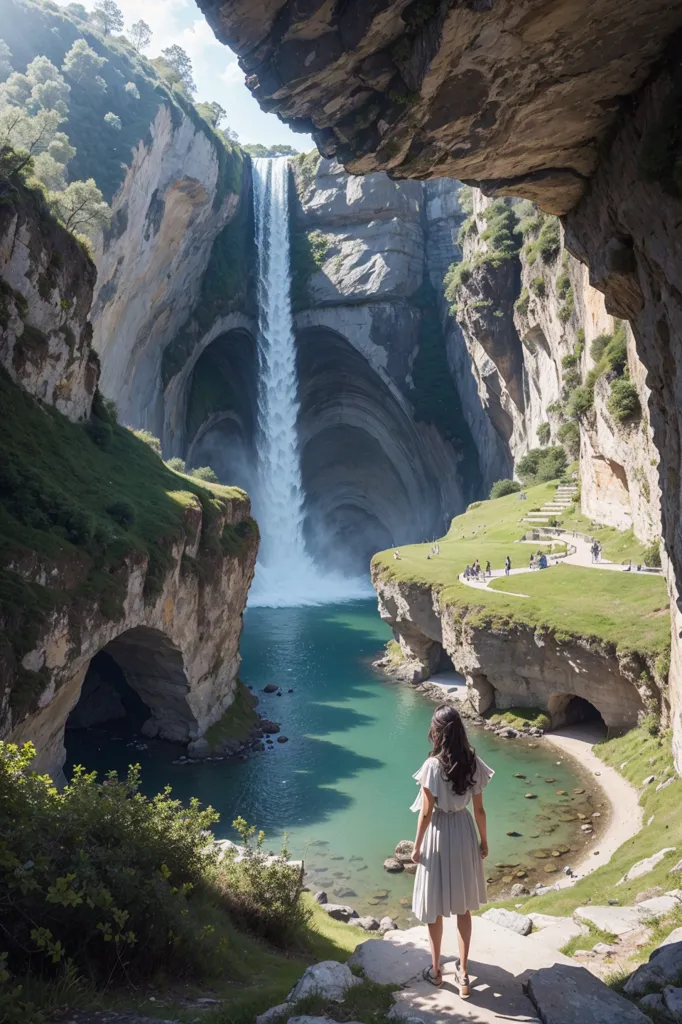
(447, 850)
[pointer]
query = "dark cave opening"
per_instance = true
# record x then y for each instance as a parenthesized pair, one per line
(569, 709)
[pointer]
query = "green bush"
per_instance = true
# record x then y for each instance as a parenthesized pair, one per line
(581, 400)
(623, 403)
(652, 555)
(542, 464)
(205, 473)
(148, 438)
(176, 464)
(549, 240)
(522, 303)
(502, 487)
(569, 435)
(566, 310)
(563, 284)
(544, 433)
(616, 353)
(598, 346)
(122, 512)
(537, 286)
(98, 875)
(263, 898)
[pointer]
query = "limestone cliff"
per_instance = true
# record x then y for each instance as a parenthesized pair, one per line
(368, 315)
(46, 282)
(101, 545)
(182, 187)
(516, 665)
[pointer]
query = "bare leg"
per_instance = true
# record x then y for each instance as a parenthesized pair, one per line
(464, 937)
(435, 940)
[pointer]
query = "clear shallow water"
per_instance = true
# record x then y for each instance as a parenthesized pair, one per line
(342, 785)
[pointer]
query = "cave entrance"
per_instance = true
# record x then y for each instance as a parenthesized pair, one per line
(570, 709)
(134, 686)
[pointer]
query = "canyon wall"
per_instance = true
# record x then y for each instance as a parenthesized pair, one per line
(181, 188)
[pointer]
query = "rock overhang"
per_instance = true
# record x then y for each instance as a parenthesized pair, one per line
(516, 97)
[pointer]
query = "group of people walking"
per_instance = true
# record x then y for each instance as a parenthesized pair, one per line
(474, 572)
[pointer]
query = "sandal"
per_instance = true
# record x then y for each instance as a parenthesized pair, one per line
(463, 985)
(433, 979)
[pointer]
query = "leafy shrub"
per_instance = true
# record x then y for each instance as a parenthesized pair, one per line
(176, 464)
(542, 464)
(569, 435)
(101, 432)
(502, 487)
(662, 666)
(581, 400)
(99, 875)
(148, 438)
(652, 555)
(566, 310)
(122, 512)
(623, 403)
(204, 473)
(522, 303)
(549, 240)
(457, 274)
(598, 346)
(543, 433)
(651, 723)
(537, 286)
(616, 353)
(263, 897)
(563, 284)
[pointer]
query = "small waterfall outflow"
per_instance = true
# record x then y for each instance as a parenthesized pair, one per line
(286, 574)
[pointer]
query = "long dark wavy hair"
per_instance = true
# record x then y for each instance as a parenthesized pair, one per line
(450, 744)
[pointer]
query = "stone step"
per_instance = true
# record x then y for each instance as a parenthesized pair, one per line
(620, 920)
(498, 969)
(555, 932)
(571, 995)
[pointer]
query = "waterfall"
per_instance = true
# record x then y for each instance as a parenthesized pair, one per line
(286, 574)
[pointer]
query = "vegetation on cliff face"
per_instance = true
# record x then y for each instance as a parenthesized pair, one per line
(83, 498)
(625, 613)
(502, 243)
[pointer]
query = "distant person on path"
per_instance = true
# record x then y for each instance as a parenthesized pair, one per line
(448, 853)
(543, 561)
(598, 552)
(628, 567)
(396, 554)
(531, 564)
(594, 549)
(507, 565)
(467, 572)
(488, 569)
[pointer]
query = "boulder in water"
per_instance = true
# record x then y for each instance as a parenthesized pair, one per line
(393, 865)
(268, 727)
(404, 850)
(339, 911)
(270, 688)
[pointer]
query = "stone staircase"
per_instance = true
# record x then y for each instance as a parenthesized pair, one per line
(553, 509)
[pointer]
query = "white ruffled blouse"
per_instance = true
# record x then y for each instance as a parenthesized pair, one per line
(432, 777)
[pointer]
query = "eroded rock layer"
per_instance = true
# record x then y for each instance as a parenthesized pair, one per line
(518, 95)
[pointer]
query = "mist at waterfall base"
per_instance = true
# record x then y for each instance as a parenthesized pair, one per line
(286, 574)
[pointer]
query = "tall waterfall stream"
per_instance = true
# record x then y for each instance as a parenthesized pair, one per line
(286, 574)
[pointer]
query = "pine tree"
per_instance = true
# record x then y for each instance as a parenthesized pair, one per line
(109, 16)
(140, 35)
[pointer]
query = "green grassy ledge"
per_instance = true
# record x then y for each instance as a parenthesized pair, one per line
(626, 613)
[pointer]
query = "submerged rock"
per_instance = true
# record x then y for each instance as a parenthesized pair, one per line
(393, 865)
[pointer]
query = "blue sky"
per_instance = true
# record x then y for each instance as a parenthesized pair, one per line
(216, 72)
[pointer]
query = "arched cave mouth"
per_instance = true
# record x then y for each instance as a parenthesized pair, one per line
(364, 463)
(566, 709)
(222, 407)
(135, 689)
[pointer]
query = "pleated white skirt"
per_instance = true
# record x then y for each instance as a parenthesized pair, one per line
(449, 878)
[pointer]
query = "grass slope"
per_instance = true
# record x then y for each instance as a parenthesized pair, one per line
(571, 601)
(82, 498)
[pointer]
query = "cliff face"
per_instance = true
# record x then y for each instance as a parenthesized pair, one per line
(180, 190)
(46, 283)
(379, 402)
(102, 546)
(514, 667)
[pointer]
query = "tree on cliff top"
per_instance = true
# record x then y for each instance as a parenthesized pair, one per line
(179, 60)
(108, 15)
(140, 35)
